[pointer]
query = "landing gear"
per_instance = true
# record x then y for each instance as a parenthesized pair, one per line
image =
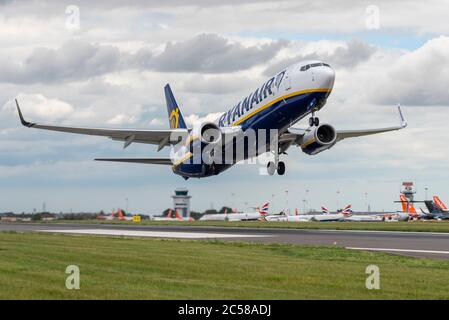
(314, 121)
(281, 168)
(271, 168)
(276, 165)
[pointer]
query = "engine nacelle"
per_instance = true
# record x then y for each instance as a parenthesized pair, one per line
(210, 133)
(318, 139)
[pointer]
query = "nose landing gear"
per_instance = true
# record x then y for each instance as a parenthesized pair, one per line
(314, 121)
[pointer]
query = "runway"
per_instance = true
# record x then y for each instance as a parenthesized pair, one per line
(416, 244)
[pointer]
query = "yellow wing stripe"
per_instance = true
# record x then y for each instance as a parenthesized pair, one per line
(308, 143)
(187, 156)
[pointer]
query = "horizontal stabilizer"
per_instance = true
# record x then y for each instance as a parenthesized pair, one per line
(165, 161)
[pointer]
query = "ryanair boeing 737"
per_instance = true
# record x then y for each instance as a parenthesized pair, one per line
(294, 93)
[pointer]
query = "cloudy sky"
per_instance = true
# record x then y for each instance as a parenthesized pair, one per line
(108, 69)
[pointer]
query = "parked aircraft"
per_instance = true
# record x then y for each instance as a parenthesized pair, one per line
(409, 208)
(437, 209)
(325, 216)
(169, 217)
(241, 216)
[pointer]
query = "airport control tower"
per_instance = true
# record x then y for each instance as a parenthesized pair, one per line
(181, 202)
(408, 190)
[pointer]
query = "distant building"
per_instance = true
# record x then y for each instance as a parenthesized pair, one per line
(181, 202)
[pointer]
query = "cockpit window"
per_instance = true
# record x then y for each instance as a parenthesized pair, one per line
(318, 64)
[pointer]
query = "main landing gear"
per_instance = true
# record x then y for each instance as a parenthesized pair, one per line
(272, 168)
(276, 165)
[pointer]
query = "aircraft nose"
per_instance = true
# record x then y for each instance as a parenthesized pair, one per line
(325, 77)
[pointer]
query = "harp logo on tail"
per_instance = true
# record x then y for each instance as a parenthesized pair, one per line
(174, 118)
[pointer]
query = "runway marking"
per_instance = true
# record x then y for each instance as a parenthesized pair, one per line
(152, 234)
(399, 250)
(444, 234)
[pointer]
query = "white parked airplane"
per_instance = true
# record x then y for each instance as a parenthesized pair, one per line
(289, 218)
(240, 216)
(300, 90)
(322, 217)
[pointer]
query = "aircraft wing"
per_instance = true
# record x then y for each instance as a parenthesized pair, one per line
(296, 134)
(161, 138)
(163, 161)
(343, 134)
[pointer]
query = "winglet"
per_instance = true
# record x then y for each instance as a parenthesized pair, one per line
(22, 119)
(401, 116)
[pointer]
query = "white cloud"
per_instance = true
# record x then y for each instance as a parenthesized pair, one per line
(112, 72)
(420, 77)
(156, 122)
(120, 119)
(40, 106)
(194, 119)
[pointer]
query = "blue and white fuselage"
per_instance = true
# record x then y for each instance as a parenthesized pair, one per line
(278, 103)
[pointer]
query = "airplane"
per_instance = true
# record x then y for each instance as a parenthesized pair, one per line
(375, 217)
(109, 217)
(323, 217)
(440, 204)
(364, 218)
(328, 216)
(382, 217)
(122, 216)
(169, 217)
(295, 92)
(289, 218)
(409, 209)
(437, 209)
(241, 216)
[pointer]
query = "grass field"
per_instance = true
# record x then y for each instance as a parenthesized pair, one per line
(416, 226)
(33, 266)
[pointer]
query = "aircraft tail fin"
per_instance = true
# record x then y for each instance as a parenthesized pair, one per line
(324, 210)
(263, 210)
(412, 208)
(178, 216)
(174, 113)
(347, 210)
(407, 206)
(431, 206)
(403, 203)
(439, 203)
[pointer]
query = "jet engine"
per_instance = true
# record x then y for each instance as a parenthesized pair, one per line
(318, 139)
